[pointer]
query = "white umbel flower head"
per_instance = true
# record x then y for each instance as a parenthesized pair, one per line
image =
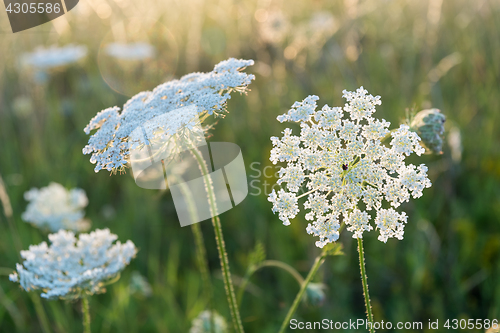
(203, 323)
(54, 208)
(54, 56)
(131, 51)
(208, 92)
(71, 268)
(344, 169)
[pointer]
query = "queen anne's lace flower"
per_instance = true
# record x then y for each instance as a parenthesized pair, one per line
(54, 208)
(208, 92)
(132, 51)
(203, 323)
(54, 56)
(345, 169)
(70, 268)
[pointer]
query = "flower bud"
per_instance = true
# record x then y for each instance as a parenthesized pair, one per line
(429, 125)
(139, 285)
(315, 294)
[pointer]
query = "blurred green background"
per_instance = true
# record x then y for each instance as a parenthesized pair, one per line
(415, 54)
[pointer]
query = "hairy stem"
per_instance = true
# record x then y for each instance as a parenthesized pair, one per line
(86, 315)
(314, 269)
(365, 284)
(221, 247)
(268, 263)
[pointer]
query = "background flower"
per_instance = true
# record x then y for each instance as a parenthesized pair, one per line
(70, 267)
(131, 51)
(43, 58)
(203, 323)
(54, 208)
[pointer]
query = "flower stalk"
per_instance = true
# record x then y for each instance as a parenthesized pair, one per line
(221, 247)
(364, 280)
(201, 253)
(314, 269)
(268, 263)
(86, 315)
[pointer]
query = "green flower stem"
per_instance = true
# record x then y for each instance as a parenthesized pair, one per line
(13, 311)
(221, 247)
(365, 283)
(5, 201)
(314, 269)
(201, 258)
(40, 313)
(86, 315)
(268, 263)
(201, 252)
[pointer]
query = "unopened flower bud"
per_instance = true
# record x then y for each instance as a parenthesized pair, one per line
(315, 294)
(429, 125)
(139, 285)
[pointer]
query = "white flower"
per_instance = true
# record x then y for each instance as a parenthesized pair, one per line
(203, 323)
(390, 223)
(406, 141)
(274, 27)
(53, 56)
(131, 51)
(360, 106)
(208, 92)
(357, 222)
(345, 169)
(300, 111)
(71, 268)
(284, 203)
(54, 208)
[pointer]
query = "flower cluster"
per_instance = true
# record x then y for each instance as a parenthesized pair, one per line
(344, 169)
(203, 323)
(208, 92)
(54, 56)
(54, 208)
(71, 268)
(132, 51)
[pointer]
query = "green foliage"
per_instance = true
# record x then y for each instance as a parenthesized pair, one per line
(257, 256)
